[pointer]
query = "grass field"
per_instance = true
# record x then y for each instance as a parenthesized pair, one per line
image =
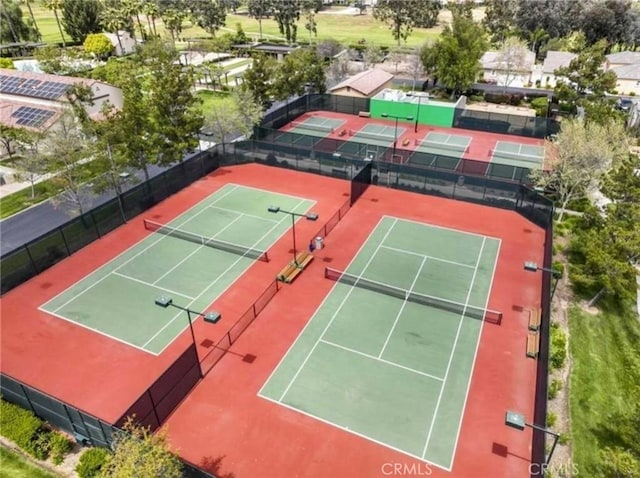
(12, 465)
(343, 28)
(601, 347)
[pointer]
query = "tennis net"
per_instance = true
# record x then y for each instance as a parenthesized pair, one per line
(422, 299)
(517, 156)
(368, 135)
(448, 146)
(312, 126)
(206, 241)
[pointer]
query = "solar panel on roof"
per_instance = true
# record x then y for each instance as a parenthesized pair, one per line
(32, 87)
(33, 117)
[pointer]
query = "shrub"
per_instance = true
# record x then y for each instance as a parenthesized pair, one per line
(40, 447)
(91, 462)
(60, 446)
(558, 266)
(632, 93)
(554, 388)
(551, 419)
(558, 347)
(476, 98)
(540, 105)
(19, 425)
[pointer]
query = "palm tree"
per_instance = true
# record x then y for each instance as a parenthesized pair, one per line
(536, 39)
(133, 8)
(54, 6)
(33, 19)
(114, 19)
(151, 10)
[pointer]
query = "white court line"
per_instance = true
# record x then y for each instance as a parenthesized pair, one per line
(453, 350)
(428, 257)
(297, 198)
(335, 314)
(199, 248)
(162, 237)
(242, 213)
(220, 277)
(326, 298)
(434, 226)
(100, 332)
(348, 430)
(475, 355)
(150, 285)
(378, 359)
(404, 304)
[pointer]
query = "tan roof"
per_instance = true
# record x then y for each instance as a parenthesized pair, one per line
(557, 59)
(365, 82)
(9, 108)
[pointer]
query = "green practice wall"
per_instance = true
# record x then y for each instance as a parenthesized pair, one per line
(430, 114)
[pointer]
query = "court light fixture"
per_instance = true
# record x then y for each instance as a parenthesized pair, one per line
(311, 216)
(395, 133)
(210, 316)
(516, 420)
(419, 96)
(531, 266)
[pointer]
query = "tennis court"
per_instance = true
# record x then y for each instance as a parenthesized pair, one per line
(309, 132)
(440, 150)
(389, 354)
(371, 141)
(513, 160)
(193, 259)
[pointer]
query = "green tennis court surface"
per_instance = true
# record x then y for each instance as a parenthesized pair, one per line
(388, 369)
(117, 300)
(517, 154)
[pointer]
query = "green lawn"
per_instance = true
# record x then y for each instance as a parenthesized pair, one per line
(13, 465)
(602, 347)
(210, 99)
(20, 200)
(344, 28)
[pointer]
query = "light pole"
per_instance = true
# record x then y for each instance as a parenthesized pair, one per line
(395, 134)
(309, 217)
(415, 130)
(516, 420)
(212, 317)
(533, 267)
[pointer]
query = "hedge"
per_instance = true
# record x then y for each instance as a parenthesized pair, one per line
(91, 462)
(21, 426)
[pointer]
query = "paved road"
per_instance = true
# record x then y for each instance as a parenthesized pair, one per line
(31, 223)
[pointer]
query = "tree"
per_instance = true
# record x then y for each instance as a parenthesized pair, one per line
(415, 66)
(578, 157)
(513, 60)
(619, 462)
(69, 159)
(133, 8)
(13, 27)
(606, 246)
(139, 452)
(260, 9)
(309, 9)
(33, 21)
(81, 18)
(98, 44)
(403, 15)
(257, 79)
(556, 18)
(396, 56)
(371, 55)
(54, 6)
(609, 20)
(455, 57)
(115, 19)
(209, 16)
(173, 17)
(499, 16)
(172, 103)
(287, 13)
(300, 70)
(234, 116)
(31, 164)
(11, 137)
(328, 49)
(151, 11)
(585, 75)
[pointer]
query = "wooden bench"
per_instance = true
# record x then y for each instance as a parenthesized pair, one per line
(364, 114)
(291, 271)
(533, 344)
(535, 317)
(406, 142)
